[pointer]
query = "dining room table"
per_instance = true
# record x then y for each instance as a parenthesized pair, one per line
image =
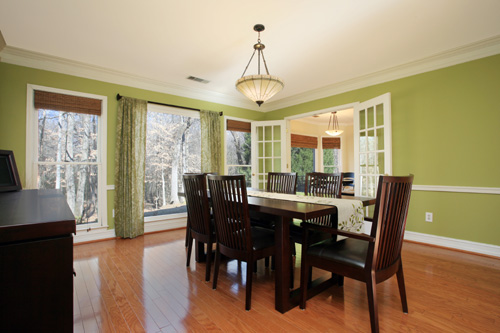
(282, 213)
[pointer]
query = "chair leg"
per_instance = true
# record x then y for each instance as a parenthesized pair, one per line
(340, 279)
(188, 233)
(209, 261)
(402, 289)
(216, 266)
(189, 244)
(371, 291)
(248, 297)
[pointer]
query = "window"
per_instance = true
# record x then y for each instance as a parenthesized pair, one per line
(303, 157)
(238, 149)
(331, 154)
(66, 150)
(173, 147)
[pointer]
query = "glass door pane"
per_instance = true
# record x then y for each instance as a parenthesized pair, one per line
(268, 149)
(372, 143)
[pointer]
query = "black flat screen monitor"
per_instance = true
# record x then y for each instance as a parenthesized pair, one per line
(9, 177)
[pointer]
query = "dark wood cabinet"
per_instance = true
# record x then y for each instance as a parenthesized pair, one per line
(36, 262)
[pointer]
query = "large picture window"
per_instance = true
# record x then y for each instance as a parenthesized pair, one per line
(173, 148)
(66, 153)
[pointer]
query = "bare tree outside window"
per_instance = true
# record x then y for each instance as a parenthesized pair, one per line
(67, 159)
(238, 154)
(173, 147)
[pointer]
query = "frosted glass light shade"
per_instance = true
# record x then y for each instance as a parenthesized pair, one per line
(259, 88)
(334, 132)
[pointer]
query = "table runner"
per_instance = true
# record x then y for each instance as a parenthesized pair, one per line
(349, 211)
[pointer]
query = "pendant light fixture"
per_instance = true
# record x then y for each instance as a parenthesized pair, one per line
(261, 87)
(335, 125)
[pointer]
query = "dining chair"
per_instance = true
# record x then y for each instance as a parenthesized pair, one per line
(236, 238)
(282, 182)
(320, 185)
(277, 182)
(187, 224)
(371, 259)
(324, 184)
(200, 224)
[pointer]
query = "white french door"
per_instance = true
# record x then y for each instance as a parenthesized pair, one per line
(269, 140)
(372, 143)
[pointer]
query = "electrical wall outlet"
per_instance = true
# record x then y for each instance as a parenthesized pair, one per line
(113, 213)
(428, 217)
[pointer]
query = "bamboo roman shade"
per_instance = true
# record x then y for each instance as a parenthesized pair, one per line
(238, 126)
(304, 141)
(330, 143)
(67, 103)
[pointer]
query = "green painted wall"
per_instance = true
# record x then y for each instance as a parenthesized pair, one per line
(13, 87)
(446, 131)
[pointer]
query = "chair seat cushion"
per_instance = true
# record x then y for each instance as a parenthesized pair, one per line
(348, 251)
(262, 238)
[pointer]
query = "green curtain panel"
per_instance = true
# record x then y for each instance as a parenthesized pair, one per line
(210, 141)
(130, 167)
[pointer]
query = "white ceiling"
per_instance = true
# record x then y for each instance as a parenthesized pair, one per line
(309, 44)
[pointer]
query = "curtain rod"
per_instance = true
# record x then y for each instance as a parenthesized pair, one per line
(118, 97)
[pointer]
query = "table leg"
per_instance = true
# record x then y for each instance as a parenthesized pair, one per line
(283, 264)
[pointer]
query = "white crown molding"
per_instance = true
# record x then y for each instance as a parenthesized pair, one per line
(21, 57)
(457, 189)
(459, 244)
(477, 50)
(474, 51)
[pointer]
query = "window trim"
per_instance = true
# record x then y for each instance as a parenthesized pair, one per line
(32, 147)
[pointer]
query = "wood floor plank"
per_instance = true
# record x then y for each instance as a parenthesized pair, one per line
(143, 284)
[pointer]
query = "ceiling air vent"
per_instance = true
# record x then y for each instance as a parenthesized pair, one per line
(197, 79)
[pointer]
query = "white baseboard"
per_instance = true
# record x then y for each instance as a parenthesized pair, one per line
(83, 236)
(459, 244)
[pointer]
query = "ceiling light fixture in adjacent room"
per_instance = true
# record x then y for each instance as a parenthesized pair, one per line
(335, 125)
(259, 88)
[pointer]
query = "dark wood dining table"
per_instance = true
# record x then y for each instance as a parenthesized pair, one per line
(282, 212)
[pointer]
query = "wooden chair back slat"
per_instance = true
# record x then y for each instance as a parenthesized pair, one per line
(281, 182)
(230, 207)
(324, 184)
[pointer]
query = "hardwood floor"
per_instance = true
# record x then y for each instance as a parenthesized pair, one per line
(143, 285)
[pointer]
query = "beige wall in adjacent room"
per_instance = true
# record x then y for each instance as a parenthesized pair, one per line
(347, 139)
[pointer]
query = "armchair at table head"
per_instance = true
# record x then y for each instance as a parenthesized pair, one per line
(370, 259)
